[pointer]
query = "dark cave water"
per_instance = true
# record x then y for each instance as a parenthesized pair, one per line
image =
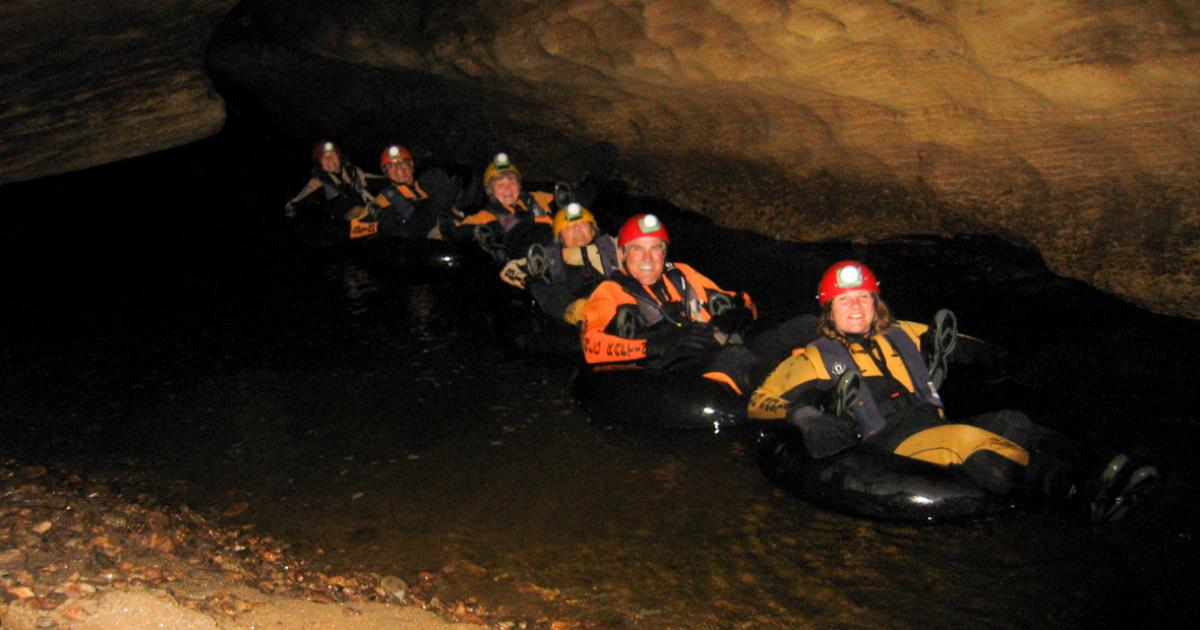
(158, 325)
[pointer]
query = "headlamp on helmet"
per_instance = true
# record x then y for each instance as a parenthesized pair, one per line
(845, 276)
(642, 225)
(323, 148)
(574, 212)
(394, 153)
(500, 165)
(849, 277)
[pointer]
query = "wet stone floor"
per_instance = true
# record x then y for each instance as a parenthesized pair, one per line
(373, 421)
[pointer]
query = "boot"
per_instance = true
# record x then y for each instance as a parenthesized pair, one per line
(1118, 486)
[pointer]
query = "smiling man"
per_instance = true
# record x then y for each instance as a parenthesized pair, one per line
(665, 315)
(402, 209)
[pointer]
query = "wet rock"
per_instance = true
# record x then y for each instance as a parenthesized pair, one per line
(74, 590)
(21, 592)
(75, 612)
(32, 472)
(10, 558)
(106, 544)
(116, 521)
(395, 588)
(157, 521)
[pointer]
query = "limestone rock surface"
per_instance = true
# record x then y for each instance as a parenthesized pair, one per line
(1072, 125)
(87, 83)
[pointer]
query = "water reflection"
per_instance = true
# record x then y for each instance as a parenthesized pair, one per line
(358, 286)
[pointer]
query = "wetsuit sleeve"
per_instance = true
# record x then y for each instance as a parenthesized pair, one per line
(312, 186)
(366, 180)
(750, 304)
(381, 201)
(795, 381)
(704, 281)
(598, 345)
(545, 200)
(920, 333)
(479, 218)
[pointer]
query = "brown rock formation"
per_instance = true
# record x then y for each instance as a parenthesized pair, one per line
(1071, 124)
(86, 83)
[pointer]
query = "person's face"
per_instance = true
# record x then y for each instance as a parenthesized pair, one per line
(645, 258)
(400, 171)
(578, 234)
(506, 189)
(330, 162)
(853, 312)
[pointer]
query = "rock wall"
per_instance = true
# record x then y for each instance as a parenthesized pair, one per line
(87, 83)
(1073, 125)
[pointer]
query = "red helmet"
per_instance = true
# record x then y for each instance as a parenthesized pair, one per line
(394, 153)
(848, 275)
(323, 147)
(640, 225)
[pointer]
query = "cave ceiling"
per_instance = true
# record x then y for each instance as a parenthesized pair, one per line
(1072, 125)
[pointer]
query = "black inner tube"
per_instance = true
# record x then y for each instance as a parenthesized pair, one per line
(873, 484)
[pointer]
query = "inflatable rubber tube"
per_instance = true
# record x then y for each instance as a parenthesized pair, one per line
(871, 484)
(635, 395)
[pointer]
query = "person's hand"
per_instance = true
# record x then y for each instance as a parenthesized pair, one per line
(485, 235)
(289, 211)
(737, 318)
(443, 189)
(355, 213)
(513, 273)
(681, 342)
(824, 435)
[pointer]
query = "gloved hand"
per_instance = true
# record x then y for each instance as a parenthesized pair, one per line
(289, 211)
(736, 319)
(563, 195)
(443, 189)
(513, 273)
(681, 342)
(485, 235)
(824, 435)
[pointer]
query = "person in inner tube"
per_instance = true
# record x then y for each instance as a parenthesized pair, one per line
(666, 315)
(404, 209)
(513, 219)
(563, 275)
(343, 187)
(871, 380)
